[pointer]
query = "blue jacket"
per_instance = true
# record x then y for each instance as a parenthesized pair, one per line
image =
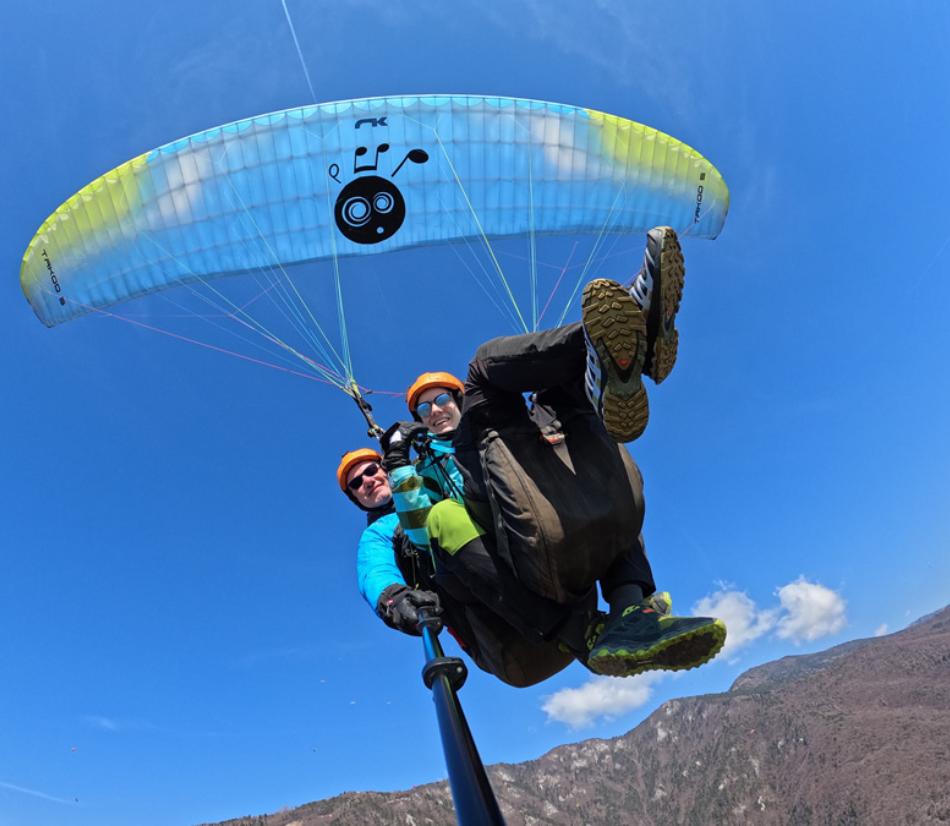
(376, 567)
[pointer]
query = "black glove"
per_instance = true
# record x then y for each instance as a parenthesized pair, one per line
(396, 442)
(399, 606)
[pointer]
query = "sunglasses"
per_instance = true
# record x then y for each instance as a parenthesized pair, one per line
(357, 481)
(424, 409)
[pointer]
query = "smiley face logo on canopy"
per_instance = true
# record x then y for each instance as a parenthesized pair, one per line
(370, 208)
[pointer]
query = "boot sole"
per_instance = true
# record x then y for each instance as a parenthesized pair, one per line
(616, 327)
(683, 652)
(661, 357)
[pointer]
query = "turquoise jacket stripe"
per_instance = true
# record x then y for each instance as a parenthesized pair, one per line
(416, 488)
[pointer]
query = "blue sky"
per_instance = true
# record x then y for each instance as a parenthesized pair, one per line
(180, 634)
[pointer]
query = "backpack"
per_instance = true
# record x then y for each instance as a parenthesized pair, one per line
(562, 499)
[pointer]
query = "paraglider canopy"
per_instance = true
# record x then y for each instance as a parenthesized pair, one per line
(355, 178)
(360, 177)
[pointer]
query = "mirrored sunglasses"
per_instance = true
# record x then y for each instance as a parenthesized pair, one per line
(424, 409)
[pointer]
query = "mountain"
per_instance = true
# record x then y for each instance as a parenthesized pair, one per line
(855, 735)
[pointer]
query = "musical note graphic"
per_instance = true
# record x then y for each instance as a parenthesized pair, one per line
(362, 150)
(414, 155)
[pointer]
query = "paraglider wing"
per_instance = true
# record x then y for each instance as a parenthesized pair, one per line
(360, 177)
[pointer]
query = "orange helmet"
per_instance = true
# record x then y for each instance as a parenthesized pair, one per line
(350, 460)
(427, 380)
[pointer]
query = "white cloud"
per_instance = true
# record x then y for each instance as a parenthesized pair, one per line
(115, 725)
(809, 611)
(105, 723)
(806, 612)
(599, 697)
(745, 621)
(881, 630)
(613, 38)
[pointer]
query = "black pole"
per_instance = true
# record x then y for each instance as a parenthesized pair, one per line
(475, 803)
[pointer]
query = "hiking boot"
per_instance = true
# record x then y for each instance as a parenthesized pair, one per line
(642, 639)
(615, 331)
(658, 289)
(659, 601)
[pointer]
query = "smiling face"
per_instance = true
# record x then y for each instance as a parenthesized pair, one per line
(374, 490)
(442, 418)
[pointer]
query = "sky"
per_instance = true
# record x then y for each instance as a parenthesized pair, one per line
(181, 637)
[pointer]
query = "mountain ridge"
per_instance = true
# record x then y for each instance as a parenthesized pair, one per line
(853, 735)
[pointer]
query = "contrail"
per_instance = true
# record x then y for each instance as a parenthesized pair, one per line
(42, 795)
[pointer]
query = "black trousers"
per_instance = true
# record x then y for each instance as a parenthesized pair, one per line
(550, 365)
